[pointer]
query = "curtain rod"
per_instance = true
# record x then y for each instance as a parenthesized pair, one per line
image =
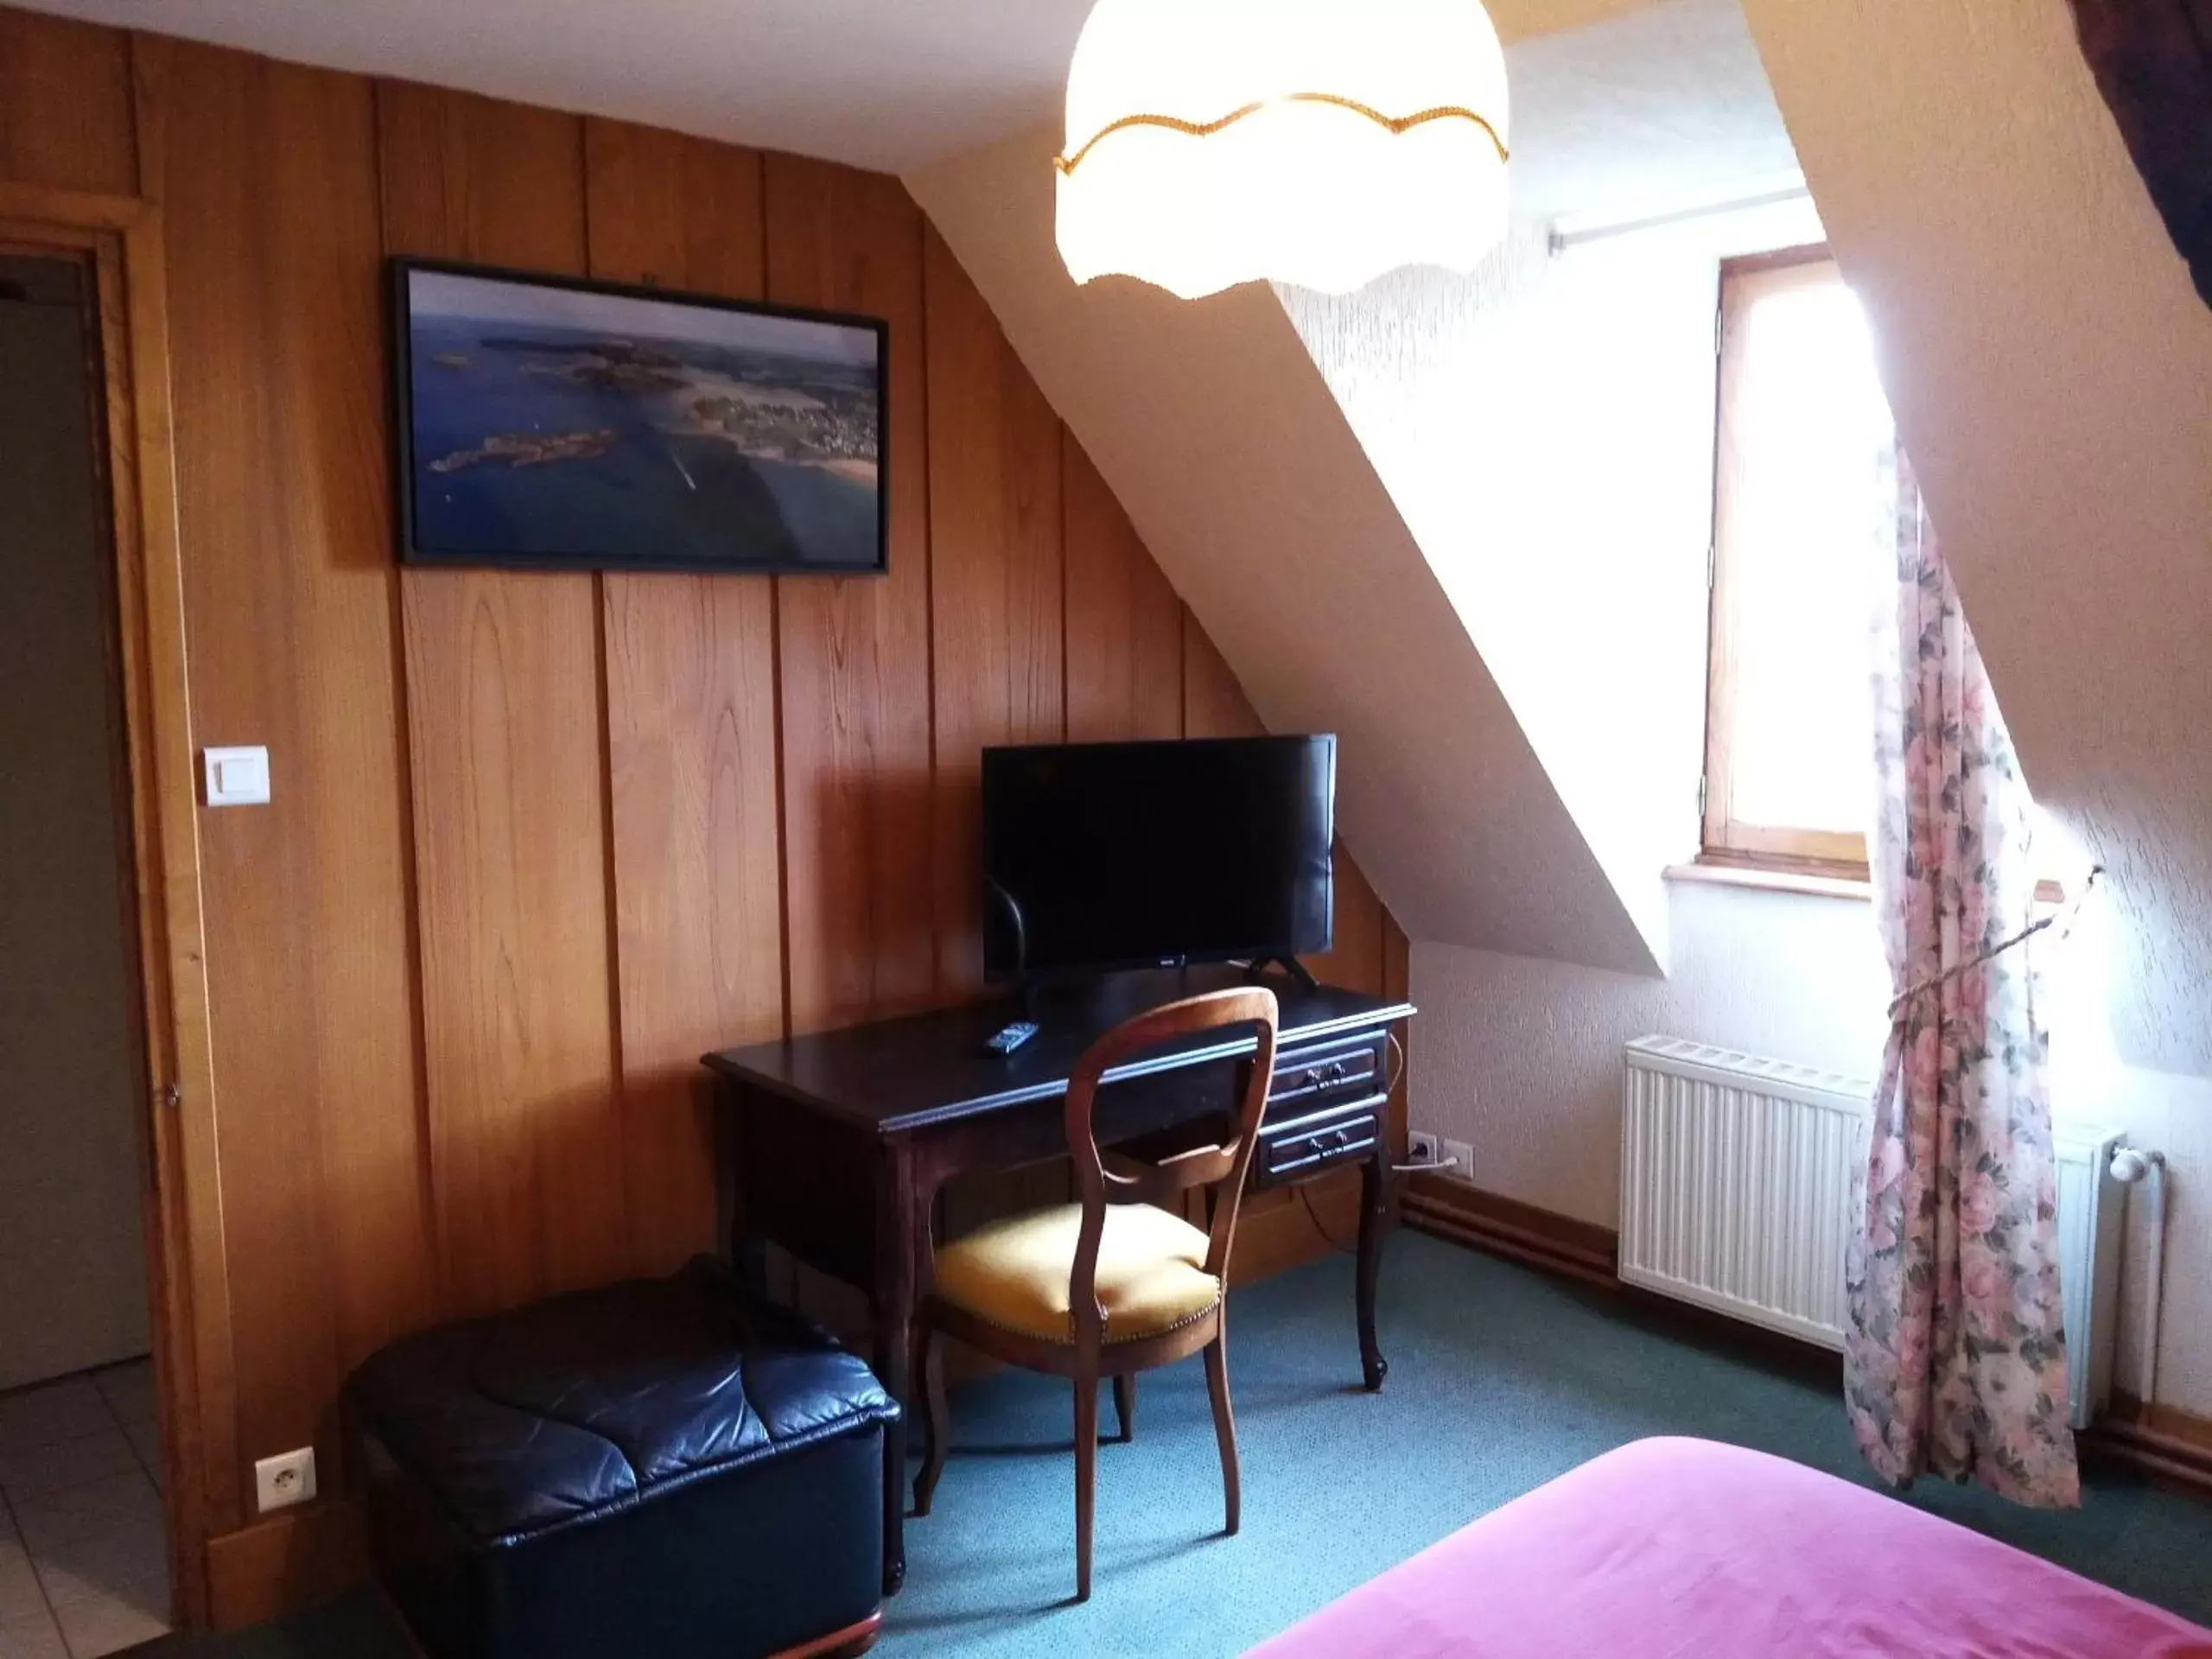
(1770, 191)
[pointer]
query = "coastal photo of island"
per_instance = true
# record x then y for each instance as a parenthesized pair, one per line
(578, 426)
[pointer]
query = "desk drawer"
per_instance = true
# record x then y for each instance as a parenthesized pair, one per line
(1326, 1105)
(1301, 1147)
(1320, 1073)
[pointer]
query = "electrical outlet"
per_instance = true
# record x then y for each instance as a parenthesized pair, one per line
(1420, 1146)
(285, 1480)
(1461, 1157)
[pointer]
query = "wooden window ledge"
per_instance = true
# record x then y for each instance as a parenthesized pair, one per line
(1774, 880)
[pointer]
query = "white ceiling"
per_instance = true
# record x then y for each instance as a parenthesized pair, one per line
(888, 84)
(1649, 113)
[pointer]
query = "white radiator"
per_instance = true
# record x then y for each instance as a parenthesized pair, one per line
(1735, 1195)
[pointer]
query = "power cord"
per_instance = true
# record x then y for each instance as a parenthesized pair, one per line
(1321, 1227)
(1434, 1165)
(1393, 1074)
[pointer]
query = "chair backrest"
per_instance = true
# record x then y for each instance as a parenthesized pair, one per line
(1101, 1178)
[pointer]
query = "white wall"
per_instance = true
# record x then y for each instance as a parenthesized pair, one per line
(1544, 428)
(1241, 473)
(1522, 1058)
(2168, 1111)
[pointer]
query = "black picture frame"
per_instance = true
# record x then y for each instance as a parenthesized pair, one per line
(415, 547)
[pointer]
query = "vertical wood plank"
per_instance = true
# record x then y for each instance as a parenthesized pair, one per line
(691, 732)
(278, 376)
(65, 114)
(504, 725)
(1214, 704)
(995, 583)
(998, 613)
(854, 653)
(673, 210)
(1355, 960)
(1124, 622)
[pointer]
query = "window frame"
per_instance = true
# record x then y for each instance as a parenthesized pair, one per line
(1723, 841)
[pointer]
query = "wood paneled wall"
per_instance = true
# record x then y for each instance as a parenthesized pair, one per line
(537, 841)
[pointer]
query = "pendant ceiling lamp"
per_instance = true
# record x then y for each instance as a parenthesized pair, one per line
(1315, 141)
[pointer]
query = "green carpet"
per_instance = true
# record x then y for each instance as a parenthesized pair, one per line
(1500, 1379)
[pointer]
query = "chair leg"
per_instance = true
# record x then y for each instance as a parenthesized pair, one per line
(1125, 1405)
(936, 1427)
(1086, 1477)
(1224, 1427)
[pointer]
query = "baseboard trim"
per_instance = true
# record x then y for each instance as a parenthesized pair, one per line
(292, 1560)
(2169, 1446)
(1590, 1254)
(1491, 1221)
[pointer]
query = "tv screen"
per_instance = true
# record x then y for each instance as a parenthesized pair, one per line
(558, 424)
(1103, 856)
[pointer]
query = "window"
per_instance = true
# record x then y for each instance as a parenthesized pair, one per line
(1804, 490)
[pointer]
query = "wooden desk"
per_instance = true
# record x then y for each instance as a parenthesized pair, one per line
(836, 1145)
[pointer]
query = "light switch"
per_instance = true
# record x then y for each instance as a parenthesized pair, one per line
(236, 777)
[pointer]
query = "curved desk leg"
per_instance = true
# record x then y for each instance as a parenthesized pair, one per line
(1376, 1216)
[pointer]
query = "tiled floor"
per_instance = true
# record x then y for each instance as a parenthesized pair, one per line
(84, 1558)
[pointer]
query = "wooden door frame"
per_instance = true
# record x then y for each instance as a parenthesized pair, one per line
(120, 238)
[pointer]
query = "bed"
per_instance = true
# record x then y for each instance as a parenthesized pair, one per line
(1685, 1547)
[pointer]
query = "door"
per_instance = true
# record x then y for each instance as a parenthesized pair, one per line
(72, 1256)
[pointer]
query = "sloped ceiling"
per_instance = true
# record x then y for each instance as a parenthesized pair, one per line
(1663, 105)
(2051, 370)
(1240, 472)
(1544, 423)
(1253, 489)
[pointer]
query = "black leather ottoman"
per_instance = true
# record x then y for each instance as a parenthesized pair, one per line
(665, 1468)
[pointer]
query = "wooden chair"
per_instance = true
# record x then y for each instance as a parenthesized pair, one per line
(1112, 1284)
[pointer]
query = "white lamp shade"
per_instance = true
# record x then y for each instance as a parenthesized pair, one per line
(1305, 187)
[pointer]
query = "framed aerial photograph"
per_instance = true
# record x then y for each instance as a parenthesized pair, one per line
(553, 424)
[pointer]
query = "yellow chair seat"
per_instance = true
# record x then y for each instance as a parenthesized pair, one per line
(1013, 1274)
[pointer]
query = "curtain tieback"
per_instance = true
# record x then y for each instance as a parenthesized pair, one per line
(2055, 919)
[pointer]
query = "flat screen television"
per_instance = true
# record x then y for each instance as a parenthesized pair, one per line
(1107, 856)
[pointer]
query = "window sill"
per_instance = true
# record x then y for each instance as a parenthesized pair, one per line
(1773, 881)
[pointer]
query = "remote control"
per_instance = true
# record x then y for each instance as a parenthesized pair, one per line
(1004, 1042)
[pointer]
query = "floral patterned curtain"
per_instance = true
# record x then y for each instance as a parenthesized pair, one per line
(1955, 1363)
(2153, 63)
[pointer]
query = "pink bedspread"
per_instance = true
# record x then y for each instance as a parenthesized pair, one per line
(1683, 1547)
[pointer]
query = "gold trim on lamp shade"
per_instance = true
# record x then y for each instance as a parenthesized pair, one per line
(1395, 124)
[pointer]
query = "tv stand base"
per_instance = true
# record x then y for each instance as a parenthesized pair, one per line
(1290, 965)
